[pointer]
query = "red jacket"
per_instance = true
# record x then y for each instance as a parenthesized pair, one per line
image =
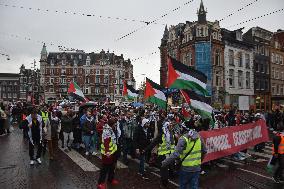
(108, 159)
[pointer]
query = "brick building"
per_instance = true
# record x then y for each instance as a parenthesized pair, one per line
(30, 88)
(197, 44)
(9, 87)
(99, 75)
(261, 39)
(277, 68)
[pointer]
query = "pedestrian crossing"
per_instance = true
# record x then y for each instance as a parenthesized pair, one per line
(84, 163)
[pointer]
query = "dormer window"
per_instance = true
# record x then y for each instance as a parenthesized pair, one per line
(80, 56)
(88, 61)
(239, 36)
(52, 62)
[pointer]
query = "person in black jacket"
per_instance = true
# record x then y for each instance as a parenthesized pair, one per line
(141, 141)
(278, 152)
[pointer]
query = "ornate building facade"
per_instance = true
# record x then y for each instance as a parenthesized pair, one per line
(197, 44)
(99, 75)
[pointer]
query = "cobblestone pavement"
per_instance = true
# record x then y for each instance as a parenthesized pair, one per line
(75, 170)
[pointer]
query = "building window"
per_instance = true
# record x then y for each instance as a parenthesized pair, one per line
(231, 57)
(282, 73)
(80, 56)
(240, 79)
(75, 71)
(240, 59)
(248, 80)
(106, 72)
(278, 89)
(272, 57)
(262, 87)
(217, 58)
(97, 79)
(97, 72)
(15, 95)
(115, 81)
(231, 78)
(58, 56)
(87, 80)
(247, 59)
(51, 80)
(106, 90)
(276, 74)
(106, 79)
(282, 90)
(87, 71)
(273, 89)
(97, 90)
(87, 90)
(261, 68)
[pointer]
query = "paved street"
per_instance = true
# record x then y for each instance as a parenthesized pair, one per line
(74, 170)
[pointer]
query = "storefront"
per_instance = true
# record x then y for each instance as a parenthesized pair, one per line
(263, 102)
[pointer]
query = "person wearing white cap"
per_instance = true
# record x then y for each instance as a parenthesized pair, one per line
(141, 141)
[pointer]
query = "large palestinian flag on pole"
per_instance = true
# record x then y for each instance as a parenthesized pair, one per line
(129, 92)
(154, 93)
(75, 91)
(198, 102)
(181, 76)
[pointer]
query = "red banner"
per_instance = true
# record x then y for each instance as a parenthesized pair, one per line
(230, 140)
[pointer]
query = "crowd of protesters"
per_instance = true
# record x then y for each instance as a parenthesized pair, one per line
(151, 135)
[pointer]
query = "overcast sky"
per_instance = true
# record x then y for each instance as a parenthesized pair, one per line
(94, 33)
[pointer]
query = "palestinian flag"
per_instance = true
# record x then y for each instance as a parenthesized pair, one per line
(199, 103)
(129, 91)
(181, 76)
(154, 93)
(75, 91)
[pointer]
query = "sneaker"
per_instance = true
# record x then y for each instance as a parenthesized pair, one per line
(32, 162)
(38, 160)
(114, 182)
(101, 186)
(94, 153)
(202, 172)
(87, 153)
(276, 180)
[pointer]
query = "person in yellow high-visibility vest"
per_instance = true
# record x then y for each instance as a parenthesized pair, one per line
(191, 143)
(109, 156)
(166, 145)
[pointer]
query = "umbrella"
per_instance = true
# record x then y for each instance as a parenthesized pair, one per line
(137, 104)
(89, 104)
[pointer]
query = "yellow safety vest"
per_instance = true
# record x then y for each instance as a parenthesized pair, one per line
(44, 116)
(112, 148)
(162, 150)
(194, 158)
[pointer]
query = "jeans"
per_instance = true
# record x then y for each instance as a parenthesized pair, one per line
(188, 180)
(127, 148)
(142, 164)
(31, 149)
(89, 143)
(68, 139)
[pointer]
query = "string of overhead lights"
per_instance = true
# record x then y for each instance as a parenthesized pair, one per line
(246, 21)
(154, 21)
(255, 18)
(240, 9)
(60, 47)
(75, 13)
(6, 55)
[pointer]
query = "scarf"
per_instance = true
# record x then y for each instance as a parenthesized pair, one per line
(108, 133)
(168, 136)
